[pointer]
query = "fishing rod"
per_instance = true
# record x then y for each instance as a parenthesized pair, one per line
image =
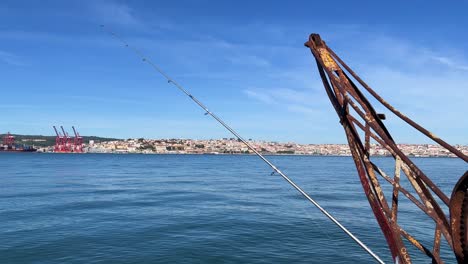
(239, 137)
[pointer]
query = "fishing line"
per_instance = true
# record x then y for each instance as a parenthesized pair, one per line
(219, 120)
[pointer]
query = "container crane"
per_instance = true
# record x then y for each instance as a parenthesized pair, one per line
(77, 142)
(8, 140)
(58, 141)
(66, 141)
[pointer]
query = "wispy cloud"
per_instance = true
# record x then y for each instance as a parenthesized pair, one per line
(424, 82)
(250, 60)
(11, 59)
(295, 96)
(108, 99)
(450, 63)
(302, 109)
(18, 106)
(112, 12)
(264, 98)
(292, 100)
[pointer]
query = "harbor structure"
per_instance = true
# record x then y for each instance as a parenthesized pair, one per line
(66, 144)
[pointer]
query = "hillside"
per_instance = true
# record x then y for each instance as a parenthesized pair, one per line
(44, 141)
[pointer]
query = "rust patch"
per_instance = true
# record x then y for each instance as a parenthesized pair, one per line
(459, 218)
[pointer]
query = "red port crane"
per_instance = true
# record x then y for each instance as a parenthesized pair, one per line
(77, 142)
(58, 141)
(66, 141)
(8, 140)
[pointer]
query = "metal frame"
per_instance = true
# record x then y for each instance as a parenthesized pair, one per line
(362, 124)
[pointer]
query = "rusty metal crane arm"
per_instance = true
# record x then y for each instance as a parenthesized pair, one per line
(362, 124)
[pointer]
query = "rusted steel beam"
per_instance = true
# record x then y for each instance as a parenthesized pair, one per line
(345, 96)
(418, 245)
(406, 193)
(432, 207)
(430, 212)
(396, 189)
(377, 126)
(396, 246)
(380, 129)
(398, 113)
(436, 247)
(459, 218)
(373, 121)
(367, 138)
(413, 199)
(434, 212)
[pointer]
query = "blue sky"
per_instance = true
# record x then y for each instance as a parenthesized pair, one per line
(244, 59)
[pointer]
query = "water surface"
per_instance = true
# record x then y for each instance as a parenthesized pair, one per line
(96, 208)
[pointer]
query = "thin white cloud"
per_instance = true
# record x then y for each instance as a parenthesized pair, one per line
(302, 109)
(111, 12)
(450, 63)
(12, 59)
(264, 98)
(291, 95)
(18, 106)
(296, 101)
(423, 82)
(250, 60)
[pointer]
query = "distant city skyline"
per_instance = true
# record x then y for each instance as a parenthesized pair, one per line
(245, 61)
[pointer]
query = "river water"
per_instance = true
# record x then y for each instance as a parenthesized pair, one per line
(96, 208)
